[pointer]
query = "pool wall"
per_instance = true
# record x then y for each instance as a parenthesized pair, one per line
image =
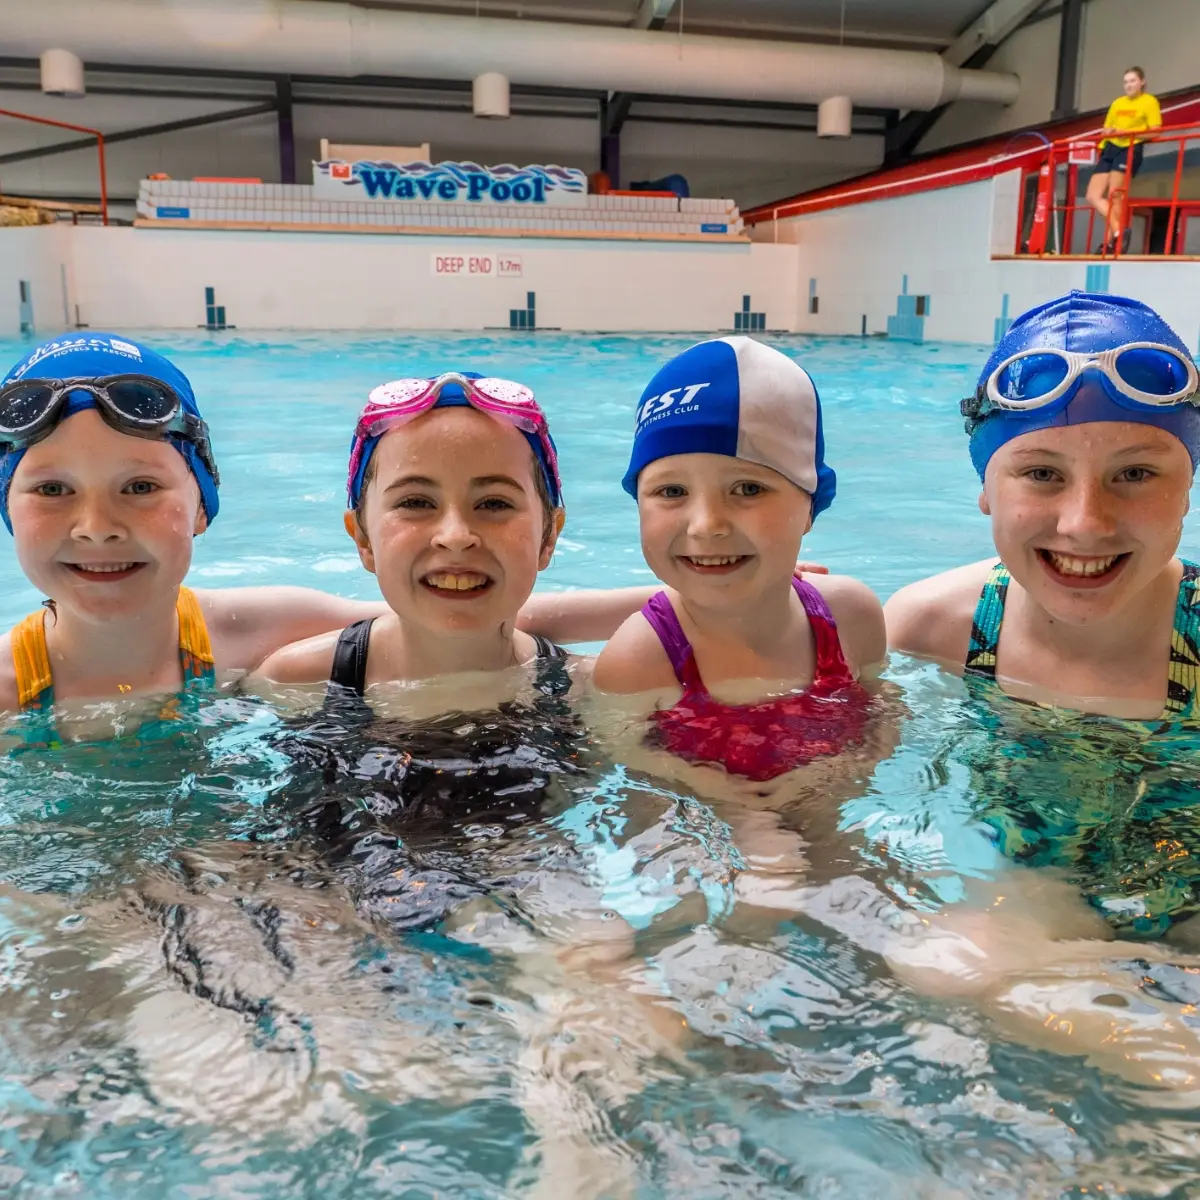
(127, 278)
(933, 266)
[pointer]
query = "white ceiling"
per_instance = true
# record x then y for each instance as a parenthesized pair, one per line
(917, 24)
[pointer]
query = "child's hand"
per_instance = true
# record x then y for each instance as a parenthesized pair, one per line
(807, 568)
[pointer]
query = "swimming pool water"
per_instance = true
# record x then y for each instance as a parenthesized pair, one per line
(154, 1041)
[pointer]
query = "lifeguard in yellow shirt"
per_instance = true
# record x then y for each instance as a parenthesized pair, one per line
(1135, 112)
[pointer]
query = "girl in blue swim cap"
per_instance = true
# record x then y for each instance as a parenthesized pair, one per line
(1085, 432)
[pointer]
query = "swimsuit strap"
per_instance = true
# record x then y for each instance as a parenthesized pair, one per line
(553, 678)
(985, 624)
(661, 616)
(35, 683)
(31, 659)
(1183, 671)
(195, 646)
(831, 666)
(350, 657)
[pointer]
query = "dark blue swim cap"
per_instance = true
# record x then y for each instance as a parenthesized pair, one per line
(1082, 323)
(95, 356)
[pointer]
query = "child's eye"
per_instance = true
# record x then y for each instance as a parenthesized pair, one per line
(1135, 475)
(496, 504)
(749, 487)
(51, 489)
(414, 502)
(1042, 475)
(671, 491)
(141, 487)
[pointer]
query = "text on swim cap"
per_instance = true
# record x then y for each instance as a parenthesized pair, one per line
(673, 400)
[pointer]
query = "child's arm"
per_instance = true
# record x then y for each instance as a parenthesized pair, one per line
(585, 616)
(594, 615)
(247, 625)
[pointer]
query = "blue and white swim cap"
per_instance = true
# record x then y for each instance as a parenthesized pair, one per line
(96, 356)
(1083, 323)
(737, 397)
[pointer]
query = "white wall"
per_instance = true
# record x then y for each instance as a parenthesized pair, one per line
(942, 241)
(155, 279)
(1160, 36)
(749, 165)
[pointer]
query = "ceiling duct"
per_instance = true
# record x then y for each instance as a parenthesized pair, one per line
(316, 37)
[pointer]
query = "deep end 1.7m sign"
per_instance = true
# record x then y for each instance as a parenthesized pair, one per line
(449, 183)
(475, 266)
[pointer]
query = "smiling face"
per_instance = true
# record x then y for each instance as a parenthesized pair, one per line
(452, 522)
(720, 530)
(103, 521)
(1085, 517)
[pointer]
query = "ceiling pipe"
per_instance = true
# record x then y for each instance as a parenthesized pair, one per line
(319, 37)
(490, 95)
(835, 117)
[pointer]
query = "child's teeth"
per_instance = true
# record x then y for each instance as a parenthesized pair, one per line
(105, 568)
(456, 583)
(1066, 564)
(713, 560)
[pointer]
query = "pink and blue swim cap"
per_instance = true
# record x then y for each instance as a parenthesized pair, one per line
(737, 397)
(98, 356)
(1147, 358)
(452, 395)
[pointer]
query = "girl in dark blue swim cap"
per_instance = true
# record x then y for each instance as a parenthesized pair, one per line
(1085, 432)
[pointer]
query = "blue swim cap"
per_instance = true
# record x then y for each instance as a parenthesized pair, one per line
(453, 396)
(1084, 323)
(96, 355)
(737, 397)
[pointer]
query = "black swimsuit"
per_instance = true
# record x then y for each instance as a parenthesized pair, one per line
(388, 799)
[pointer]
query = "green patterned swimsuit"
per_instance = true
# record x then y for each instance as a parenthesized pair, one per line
(1115, 803)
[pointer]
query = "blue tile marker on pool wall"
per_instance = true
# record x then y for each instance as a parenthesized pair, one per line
(524, 318)
(1002, 322)
(747, 321)
(214, 313)
(908, 323)
(1097, 277)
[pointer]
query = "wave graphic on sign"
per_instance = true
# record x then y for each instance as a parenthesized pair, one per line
(563, 179)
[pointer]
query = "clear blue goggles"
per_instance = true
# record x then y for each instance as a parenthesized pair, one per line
(1138, 374)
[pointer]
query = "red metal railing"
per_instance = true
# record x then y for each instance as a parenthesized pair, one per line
(4, 112)
(1051, 227)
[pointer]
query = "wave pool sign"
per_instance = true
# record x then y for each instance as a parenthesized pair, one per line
(449, 183)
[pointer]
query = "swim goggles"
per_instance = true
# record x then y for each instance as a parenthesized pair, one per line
(1136, 375)
(395, 403)
(140, 405)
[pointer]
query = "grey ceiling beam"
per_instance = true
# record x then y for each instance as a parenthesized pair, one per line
(972, 49)
(128, 135)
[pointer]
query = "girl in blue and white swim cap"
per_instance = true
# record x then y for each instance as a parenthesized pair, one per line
(1085, 432)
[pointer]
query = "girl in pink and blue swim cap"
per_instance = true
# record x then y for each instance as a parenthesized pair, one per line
(744, 665)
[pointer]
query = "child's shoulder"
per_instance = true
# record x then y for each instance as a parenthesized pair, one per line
(932, 617)
(859, 616)
(633, 660)
(306, 661)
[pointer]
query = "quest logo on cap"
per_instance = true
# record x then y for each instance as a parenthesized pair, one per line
(737, 397)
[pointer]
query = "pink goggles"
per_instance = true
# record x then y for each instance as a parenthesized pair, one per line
(394, 403)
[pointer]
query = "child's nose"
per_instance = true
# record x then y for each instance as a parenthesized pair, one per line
(707, 518)
(455, 532)
(95, 521)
